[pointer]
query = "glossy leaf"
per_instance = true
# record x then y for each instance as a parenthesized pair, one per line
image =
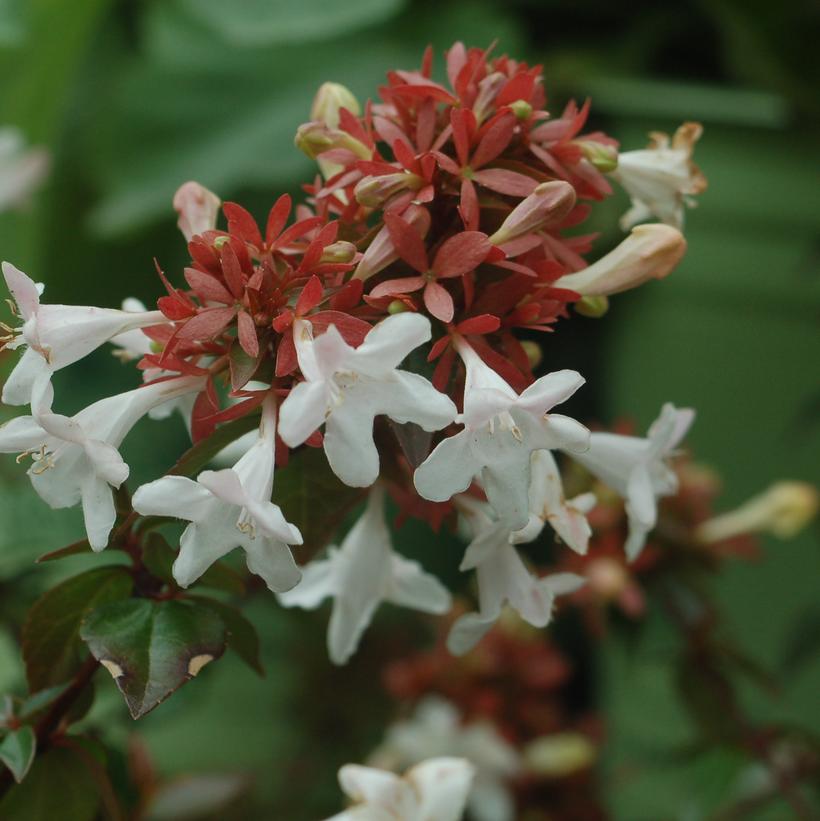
(17, 751)
(242, 637)
(151, 648)
(52, 649)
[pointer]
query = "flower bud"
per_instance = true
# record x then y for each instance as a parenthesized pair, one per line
(197, 208)
(559, 754)
(650, 251)
(329, 100)
(316, 137)
(339, 252)
(381, 252)
(603, 157)
(593, 307)
(783, 510)
(373, 192)
(522, 109)
(549, 203)
(397, 307)
(488, 90)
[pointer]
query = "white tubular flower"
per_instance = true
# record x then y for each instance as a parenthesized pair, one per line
(346, 388)
(636, 469)
(503, 579)
(131, 345)
(548, 506)
(76, 459)
(649, 252)
(435, 790)
(501, 430)
(21, 169)
(783, 510)
(661, 178)
(58, 335)
(434, 730)
(359, 576)
(198, 209)
(227, 509)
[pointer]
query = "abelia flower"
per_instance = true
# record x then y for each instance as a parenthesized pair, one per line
(75, 460)
(661, 178)
(649, 252)
(198, 209)
(359, 576)
(637, 469)
(382, 251)
(549, 203)
(549, 506)
(22, 169)
(56, 336)
(435, 790)
(457, 256)
(227, 509)
(502, 579)
(436, 729)
(345, 388)
(501, 430)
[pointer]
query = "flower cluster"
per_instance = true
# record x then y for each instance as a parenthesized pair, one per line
(442, 220)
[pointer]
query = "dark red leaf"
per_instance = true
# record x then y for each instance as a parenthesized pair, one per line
(208, 288)
(232, 270)
(496, 138)
(248, 339)
(277, 218)
(310, 297)
(461, 253)
(438, 301)
(408, 242)
(207, 324)
(483, 324)
(242, 224)
(506, 182)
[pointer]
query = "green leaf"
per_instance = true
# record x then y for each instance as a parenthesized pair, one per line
(58, 786)
(38, 701)
(17, 751)
(70, 550)
(269, 22)
(312, 498)
(52, 649)
(151, 648)
(241, 634)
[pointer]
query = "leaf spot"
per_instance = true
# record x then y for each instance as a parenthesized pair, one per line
(112, 667)
(197, 663)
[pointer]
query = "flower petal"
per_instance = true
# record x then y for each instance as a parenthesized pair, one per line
(448, 470)
(413, 587)
(303, 412)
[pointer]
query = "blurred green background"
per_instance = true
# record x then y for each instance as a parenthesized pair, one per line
(133, 98)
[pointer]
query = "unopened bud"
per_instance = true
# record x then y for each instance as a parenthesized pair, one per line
(606, 577)
(551, 202)
(488, 90)
(533, 351)
(783, 510)
(197, 208)
(603, 157)
(340, 251)
(373, 192)
(397, 307)
(316, 137)
(329, 100)
(522, 109)
(650, 252)
(559, 754)
(220, 241)
(381, 252)
(592, 306)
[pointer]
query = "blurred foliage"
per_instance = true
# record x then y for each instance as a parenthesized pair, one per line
(134, 98)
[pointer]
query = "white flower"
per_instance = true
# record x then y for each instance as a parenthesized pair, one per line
(649, 252)
(636, 469)
(502, 578)
(548, 505)
(501, 430)
(227, 509)
(58, 335)
(661, 177)
(359, 576)
(436, 730)
(198, 209)
(76, 459)
(346, 387)
(435, 790)
(21, 169)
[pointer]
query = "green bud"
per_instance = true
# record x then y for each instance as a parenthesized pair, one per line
(329, 100)
(592, 306)
(396, 307)
(522, 109)
(603, 157)
(220, 241)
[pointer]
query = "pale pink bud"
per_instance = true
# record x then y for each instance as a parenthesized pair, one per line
(381, 252)
(316, 137)
(373, 192)
(338, 252)
(329, 100)
(650, 252)
(488, 90)
(551, 202)
(197, 208)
